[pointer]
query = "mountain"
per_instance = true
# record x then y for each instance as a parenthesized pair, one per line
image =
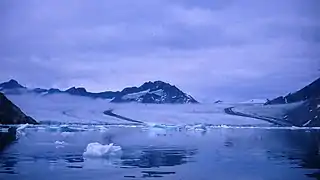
(11, 84)
(307, 114)
(11, 114)
(150, 92)
(12, 87)
(311, 91)
(154, 92)
(83, 92)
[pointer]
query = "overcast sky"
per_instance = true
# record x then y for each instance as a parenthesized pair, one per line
(212, 49)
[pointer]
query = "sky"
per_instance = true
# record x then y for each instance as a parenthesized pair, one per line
(211, 49)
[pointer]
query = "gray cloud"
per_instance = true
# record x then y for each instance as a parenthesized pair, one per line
(211, 49)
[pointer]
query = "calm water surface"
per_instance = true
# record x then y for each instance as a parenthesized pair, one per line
(56, 152)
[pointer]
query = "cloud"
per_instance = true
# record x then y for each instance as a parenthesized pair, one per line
(211, 49)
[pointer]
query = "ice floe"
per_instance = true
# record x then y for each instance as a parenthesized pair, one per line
(67, 134)
(60, 144)
(20, 130)
(99, 150)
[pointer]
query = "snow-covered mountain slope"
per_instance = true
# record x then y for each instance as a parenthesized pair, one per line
(64, 108)
(302, 113)
(309, 92)
(154, 92)
(150, 92)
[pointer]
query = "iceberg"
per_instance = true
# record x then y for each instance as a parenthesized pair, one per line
(21, 127)
(20, 130)
(67, 134)
(99, 150)
(60, 144)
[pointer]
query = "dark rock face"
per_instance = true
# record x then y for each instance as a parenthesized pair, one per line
(77, 91)
(154, 92)
(6, 138)
(11, 114)
(308, 113)
(312, 91)
(105, 95)
(83, 92)
(39, 90)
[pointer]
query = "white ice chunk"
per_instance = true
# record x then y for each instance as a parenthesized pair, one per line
(21, 127)
(20, 130)
(4, 130)
(67, 134)
(99, 150)
(59, 143)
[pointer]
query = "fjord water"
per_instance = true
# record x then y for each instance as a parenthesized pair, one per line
(215, 152)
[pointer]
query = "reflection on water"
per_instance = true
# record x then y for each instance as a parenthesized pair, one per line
(6, 138)
(305, 149)
(220, 153)
(157, 157)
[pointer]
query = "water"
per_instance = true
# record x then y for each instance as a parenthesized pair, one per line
(182, 153)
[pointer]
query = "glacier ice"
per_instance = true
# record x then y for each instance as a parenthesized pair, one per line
(99, 150)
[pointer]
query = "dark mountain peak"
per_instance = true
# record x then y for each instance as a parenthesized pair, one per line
(54, 90)
(13, 81)
(151, 86)
(154, 92)
(77, 91)
(11, 84)
(155, 85)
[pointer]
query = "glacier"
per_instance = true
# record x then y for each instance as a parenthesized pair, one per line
(62, 108)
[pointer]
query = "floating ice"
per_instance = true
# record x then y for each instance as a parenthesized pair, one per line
(67, 134)
(21, 127)
(197, 127)
(99, 150)
(60, 144)
(4, 130)
(102, 128)
(20, 130)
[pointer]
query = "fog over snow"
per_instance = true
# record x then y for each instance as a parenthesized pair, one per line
(218, 49)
